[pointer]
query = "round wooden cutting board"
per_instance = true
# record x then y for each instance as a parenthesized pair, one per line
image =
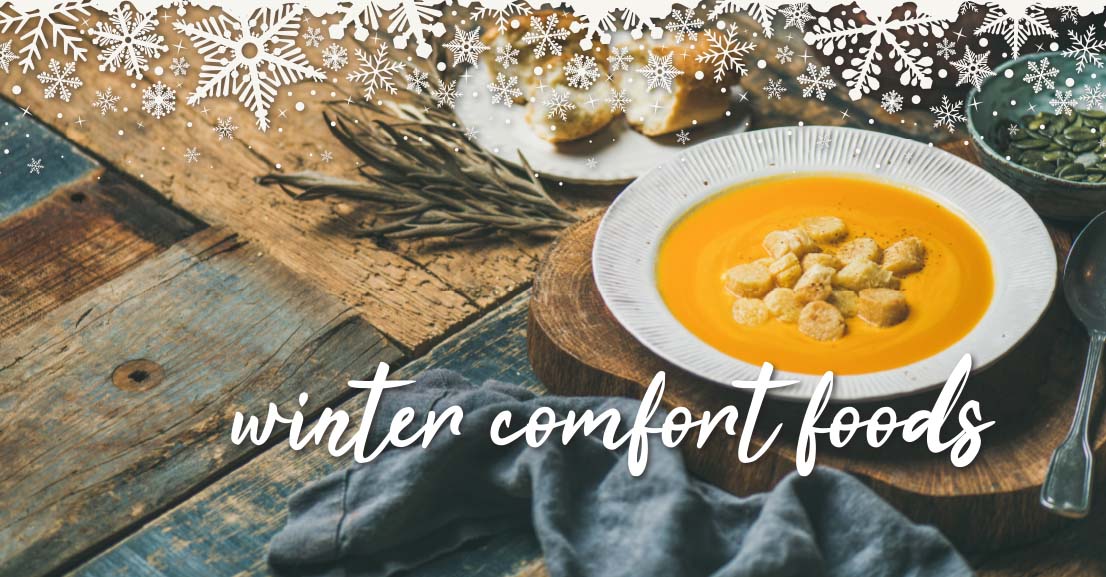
(577, 348)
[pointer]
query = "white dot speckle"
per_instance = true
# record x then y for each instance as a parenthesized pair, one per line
(300, 106)
(1009, 73)
(17, 90)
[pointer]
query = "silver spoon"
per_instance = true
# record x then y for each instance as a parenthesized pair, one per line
(1067, 487)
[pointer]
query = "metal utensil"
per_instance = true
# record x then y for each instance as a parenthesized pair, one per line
(1067, 487)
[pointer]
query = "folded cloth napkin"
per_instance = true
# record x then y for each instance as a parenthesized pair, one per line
(590, 515)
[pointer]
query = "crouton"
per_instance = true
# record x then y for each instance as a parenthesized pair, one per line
(825, 228)
(750, 312)
(749, 280)
(786, 270)
(820, 321)
(882, 307)
(816, 283)
(795, 241)
(821, 258)
(845, 301)
(784, 304)
(862, 248)
(905, 256)
(864, 274)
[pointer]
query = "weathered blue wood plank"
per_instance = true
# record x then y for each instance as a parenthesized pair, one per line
(225, 529)
(75, 239)
(116, 405)
(23, 139)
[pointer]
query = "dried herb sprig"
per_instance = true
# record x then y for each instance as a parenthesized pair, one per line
(435, 182)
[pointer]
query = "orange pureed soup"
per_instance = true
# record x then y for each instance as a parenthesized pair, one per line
(946, 298)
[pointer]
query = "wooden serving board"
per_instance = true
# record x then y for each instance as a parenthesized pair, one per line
(576, 347)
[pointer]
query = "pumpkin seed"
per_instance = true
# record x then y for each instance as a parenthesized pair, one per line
(1085, 146)
(1030, 144)
(1071, 169)
(1079, 133)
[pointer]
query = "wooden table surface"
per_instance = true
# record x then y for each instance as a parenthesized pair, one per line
(143, 300)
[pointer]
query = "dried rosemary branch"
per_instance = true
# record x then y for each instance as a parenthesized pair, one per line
(434, 181)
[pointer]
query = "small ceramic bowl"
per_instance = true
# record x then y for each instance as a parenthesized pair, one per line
(1009, 95)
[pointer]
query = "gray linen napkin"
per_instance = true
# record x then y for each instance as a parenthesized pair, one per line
(590, 515)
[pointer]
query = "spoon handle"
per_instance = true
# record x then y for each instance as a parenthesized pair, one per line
(1067, 487)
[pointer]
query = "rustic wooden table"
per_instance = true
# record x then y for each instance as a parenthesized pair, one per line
(144, 299)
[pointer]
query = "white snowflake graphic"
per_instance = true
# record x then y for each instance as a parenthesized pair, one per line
(618, 100)
(823, 141)
(191, 155)
(891, 102)
(816, 81)
(312, 37)
(335, 56)
(1085, 49)
(45, 25)
(1069, 14)
(1063, 102)
(446, 95)
(684, 24)
(558, 105)
(326, 156)
(659, 72)
(35, 166)
(225, 128)
(725, 52)
(1017, 26)
(591, 162)
(249, 58)
(796, 16)
(683, 137)
(764, 14)
(1013, 129)
(506, 55)
(775, 89)
(544, 37)
(6, 55)
(179, 66)
(376, 71)
(503, 15)
(417, 81)
(59, 80)
(973, 68)
(946, 49)
(784, 54)
(874, 38)
(471, 133)
(620, 59)
(1041, 75)
(947, 114)
(159, 100)
(504, 89)
(405, 19)
(466, 47)
(1093, 96)
(129, 42)
(105, 101)
(581, 71)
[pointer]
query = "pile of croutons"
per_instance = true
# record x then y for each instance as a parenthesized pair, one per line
(803, 282)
